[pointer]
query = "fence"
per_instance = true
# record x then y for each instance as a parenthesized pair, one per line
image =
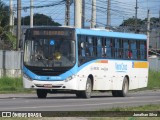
(11, 63)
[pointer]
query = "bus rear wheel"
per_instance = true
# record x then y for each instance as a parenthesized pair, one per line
(115, 93)
(125, 88)
(124, 91)
(79, 94)
(41, 93)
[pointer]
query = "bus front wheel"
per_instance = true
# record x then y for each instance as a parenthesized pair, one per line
(41, 93)
(87, 92)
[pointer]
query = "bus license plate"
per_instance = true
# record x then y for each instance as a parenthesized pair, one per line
(48, 85)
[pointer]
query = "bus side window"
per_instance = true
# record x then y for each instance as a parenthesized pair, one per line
(81, 46)
(133, 48)
(125, 49)
(90, 45)
(99, 47)
(81, 49)
(83, 52)
(104, 49)
(94, 46)
(120, 49)
(117, 46)
(138, 49)
(145, 49)
(112, 45)
(142, 50)
(108, 47)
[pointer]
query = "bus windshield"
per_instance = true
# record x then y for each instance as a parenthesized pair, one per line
(49, 53)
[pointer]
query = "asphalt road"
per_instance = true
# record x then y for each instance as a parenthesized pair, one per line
(69, 102)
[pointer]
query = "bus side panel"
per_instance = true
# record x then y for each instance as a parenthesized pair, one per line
(102, 78)
(118, 69)
(110, 75)
(139, 74)
(143, 80)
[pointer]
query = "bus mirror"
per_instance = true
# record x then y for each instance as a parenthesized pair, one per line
(82, 45)
(20, 43)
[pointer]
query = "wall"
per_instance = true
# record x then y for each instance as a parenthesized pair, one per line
(154, 63)
(10, 63)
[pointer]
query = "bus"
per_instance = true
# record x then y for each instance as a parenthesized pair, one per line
(80, 61)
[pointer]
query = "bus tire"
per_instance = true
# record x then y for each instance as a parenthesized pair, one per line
(125, 87)
(79, 94)
(88, 90)
(41, 93)
(115, 93)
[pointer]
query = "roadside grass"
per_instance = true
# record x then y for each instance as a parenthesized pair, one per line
(12, 85)
(140, 109)
(153, 80)
(152, 107)
(125, 118)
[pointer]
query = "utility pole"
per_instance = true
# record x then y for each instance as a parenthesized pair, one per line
(67, 15)
(11, 19)
(108, 15)
(93, 16)
(78, 13)
(11, 13)
(83, 13)
(31, 13)
(148, 30)
(159, 33)
(136, 8)
(18, 23)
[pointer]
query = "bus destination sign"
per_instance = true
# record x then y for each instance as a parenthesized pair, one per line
(51, 32)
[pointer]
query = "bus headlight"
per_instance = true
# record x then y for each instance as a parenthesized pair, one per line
(27, 77)
(70, 78)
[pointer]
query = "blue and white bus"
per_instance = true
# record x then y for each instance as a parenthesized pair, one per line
(62, 59)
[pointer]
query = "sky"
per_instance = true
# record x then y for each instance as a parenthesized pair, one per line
(120, 10)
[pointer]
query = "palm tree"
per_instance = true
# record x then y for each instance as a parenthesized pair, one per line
(7, 40)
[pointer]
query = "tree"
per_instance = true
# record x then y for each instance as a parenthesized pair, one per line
(131, 22)
(39, 20)
(7, 40)
(140, 23)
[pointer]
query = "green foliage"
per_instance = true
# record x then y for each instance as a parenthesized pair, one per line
(10, 84)
(4, 14)
(7, 39)
(138, 108)
(154, 80)
(131, 22)
(39, 20)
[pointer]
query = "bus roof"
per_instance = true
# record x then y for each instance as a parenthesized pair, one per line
(106, 33)
(97, 32)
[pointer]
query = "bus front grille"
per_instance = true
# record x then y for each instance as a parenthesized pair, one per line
(48, 73)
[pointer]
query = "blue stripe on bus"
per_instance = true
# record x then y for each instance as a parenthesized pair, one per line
(105, 33)
(61, 77)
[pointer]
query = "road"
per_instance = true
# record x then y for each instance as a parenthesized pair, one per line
(69, 102)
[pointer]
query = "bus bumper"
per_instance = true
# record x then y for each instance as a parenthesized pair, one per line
(61, 85)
